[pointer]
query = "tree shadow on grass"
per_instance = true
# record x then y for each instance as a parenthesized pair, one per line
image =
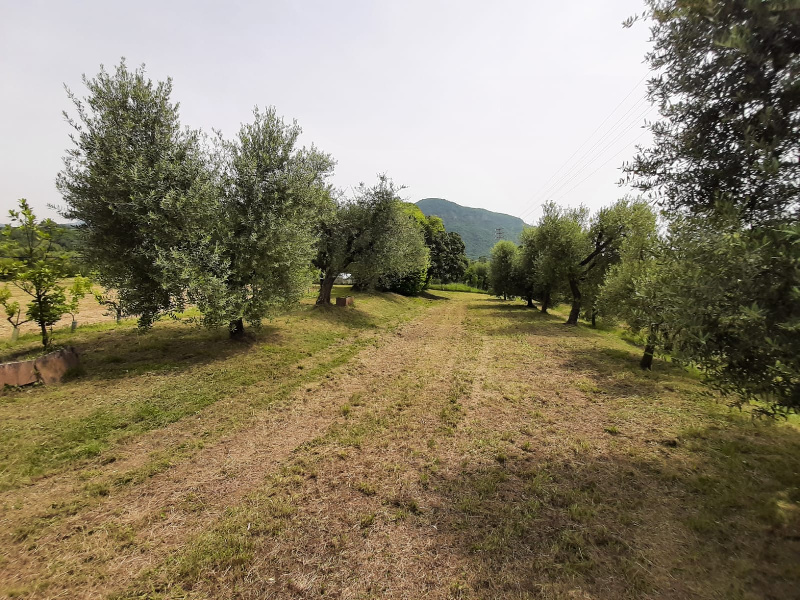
(618, 527)
(119, 353)
(521, 319)
(351, 317)
(428, 295)
(617, 371)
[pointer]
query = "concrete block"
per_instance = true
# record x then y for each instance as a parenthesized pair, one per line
(53, 366)
(346, 301)
(17, 373)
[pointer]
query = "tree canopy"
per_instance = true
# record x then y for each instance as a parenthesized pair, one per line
(372, 236)
(136, 182)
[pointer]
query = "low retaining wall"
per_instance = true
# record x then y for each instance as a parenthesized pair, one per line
(49, 368)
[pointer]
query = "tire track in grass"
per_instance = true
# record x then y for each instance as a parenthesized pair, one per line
(26, 512)
(338, 516)
(133, 528)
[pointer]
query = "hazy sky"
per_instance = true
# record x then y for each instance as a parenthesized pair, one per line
(480, 103)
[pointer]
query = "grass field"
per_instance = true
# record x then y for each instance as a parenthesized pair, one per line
(455, 287)
(450, 446)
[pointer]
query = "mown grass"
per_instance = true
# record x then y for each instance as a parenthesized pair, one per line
(136, 382)
(456, 287)
(520, 459)
(622, 483)
(573, 474)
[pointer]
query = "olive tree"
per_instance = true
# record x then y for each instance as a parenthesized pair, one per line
(369, 235)
(725, 164)
(501, 269)
(637, 290)
(626, 220)
(260, 244)
(561, 242)
(524, 268)
(137, 184)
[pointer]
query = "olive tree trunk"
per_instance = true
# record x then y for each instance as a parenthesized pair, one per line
(575, 311)
(649, 349)
(546, 302)
(325, 288)
(236, 329)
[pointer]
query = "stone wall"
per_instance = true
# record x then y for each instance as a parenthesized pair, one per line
(49, 368)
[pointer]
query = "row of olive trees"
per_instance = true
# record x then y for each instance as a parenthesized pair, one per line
(568, 254)
(720, 286)
(170, 217)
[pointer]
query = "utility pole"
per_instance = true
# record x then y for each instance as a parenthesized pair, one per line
(499, 234)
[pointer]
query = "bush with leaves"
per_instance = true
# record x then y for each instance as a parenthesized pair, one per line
(738, 297)
(35, 268)
(725, 164)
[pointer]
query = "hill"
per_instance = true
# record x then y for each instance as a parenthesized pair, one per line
(476, 226)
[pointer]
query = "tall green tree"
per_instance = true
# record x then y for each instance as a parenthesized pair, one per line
(371, 236)
(477, 274)
(724, 163)
(637, 289)
(727, 93)
(259, 246)
(454, 259)
(608, 230)
(525, 262)
(501, 269)
(447, 256)
(562, 242)
(137, 184)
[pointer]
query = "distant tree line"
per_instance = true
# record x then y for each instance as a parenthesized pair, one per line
(168, 216)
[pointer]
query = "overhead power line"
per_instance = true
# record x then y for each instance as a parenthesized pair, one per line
(580, 169)
(640, 136)
(547, 189)
(615, 131)
(612, 135)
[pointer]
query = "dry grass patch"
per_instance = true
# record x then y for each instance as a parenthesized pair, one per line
(481, 451)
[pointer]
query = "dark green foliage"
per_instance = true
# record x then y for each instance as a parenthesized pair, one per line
(372, 236)
(135, 181)
(501, 269)
(64, 241)
(477, 273)
(725, 163)
(561, 242)
(738, 294)
(454, 260)
(408, 284)
(524, 268)
(728, 94)
(262, 233)
(448, 261)
(476, 226)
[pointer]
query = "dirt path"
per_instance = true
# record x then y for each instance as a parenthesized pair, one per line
(103, 546)
(480, 451)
